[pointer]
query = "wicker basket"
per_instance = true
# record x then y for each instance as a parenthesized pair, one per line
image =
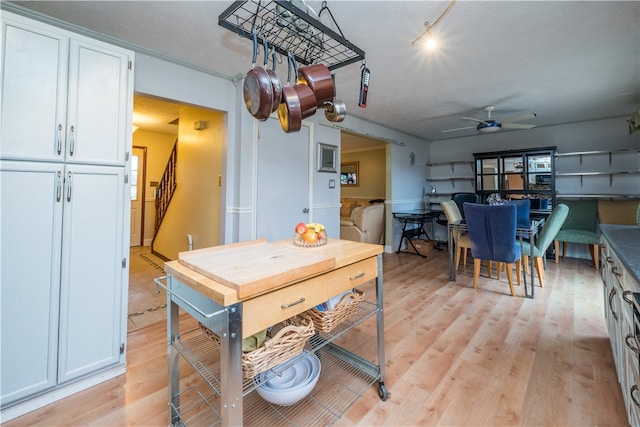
(285, 344)
(326, 321)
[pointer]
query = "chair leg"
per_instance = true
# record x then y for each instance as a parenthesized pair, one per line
(526, 264)
(518, 270)
(498, 270)
(464, 255)
(489, 268)
(476, 271)
(458, 251)
(556, 247)
(564, 249)
(510, 277)
(594, 255)
(539, 269)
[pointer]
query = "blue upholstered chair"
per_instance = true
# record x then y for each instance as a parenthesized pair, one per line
(492, 231)
(461, 198)
(523, 210)
(549, 231)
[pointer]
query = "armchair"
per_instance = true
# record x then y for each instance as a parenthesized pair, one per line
(366, 224)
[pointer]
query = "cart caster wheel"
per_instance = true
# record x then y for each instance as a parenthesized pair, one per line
(382, 391)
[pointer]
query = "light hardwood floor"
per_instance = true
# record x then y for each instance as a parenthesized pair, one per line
(455, 356)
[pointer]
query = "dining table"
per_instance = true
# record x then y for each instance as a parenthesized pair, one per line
(522, 234)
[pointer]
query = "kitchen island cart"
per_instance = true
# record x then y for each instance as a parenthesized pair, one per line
(240, 289)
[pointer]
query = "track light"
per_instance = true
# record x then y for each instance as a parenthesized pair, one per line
(430, 42)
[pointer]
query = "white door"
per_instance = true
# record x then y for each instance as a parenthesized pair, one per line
(138, 165)
(283, 181)
(31, 227)
(91, 297)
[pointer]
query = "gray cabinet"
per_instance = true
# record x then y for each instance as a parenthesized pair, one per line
(66, 115)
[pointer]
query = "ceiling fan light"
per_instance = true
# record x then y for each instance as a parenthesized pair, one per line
(488, 127)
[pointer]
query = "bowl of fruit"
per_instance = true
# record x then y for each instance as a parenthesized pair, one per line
(309, 235)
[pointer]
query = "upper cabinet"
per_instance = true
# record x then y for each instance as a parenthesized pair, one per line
(518, 174)
(64, 96)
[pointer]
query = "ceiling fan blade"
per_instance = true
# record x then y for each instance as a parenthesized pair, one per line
(474, 119)
(457, 129)
(518, 118)
(516, 126)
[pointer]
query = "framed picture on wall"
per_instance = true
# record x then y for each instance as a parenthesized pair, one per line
(327, 157)
(349, 174)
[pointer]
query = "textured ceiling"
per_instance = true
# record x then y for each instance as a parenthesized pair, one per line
(567, 61)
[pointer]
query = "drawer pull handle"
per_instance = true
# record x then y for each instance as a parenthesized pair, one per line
(357, 276)
(291, 304)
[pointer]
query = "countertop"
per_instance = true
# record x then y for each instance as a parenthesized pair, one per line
(625, 241)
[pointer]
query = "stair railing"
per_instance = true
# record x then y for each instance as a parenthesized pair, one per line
(166, 187)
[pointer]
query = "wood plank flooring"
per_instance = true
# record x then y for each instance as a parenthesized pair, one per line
(455, 356)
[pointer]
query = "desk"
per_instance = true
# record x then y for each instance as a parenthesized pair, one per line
(529, 233)
(419, 218)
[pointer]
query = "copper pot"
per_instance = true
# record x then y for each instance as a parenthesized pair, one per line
(275, 81)
(298, 102)
(318, 78)
(258, 89)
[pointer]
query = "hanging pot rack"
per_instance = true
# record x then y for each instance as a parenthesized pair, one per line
(309, 40)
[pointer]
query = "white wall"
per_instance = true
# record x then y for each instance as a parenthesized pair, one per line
(606, 134)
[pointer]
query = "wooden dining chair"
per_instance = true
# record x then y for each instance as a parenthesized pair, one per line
(460, 239)
(492, 232)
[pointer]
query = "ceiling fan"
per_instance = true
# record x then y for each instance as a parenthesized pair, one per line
(489, 125)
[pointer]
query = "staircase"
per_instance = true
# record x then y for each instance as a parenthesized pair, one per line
(166, 187)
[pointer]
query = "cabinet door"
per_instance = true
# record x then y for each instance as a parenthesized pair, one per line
(91, 301)
(99, 103)
(31, 222)
(34, 87)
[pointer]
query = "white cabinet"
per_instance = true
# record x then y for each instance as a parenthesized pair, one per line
(64, 97)
(31, 225)
(619, 288)
(66, 129)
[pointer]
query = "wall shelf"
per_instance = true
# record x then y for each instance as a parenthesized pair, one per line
(452, 164)
(561, 196)
(289, 29)
(591, 153)
(610, 174)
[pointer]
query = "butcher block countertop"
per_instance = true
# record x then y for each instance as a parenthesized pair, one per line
(232, 273)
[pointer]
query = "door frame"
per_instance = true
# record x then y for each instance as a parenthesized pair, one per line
(143, 190)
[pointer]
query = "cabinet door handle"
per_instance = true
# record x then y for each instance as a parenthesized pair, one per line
(634, 348)
(72, 141)
(634, 388)
(291, 304)
(69, 177)
(614, 271)
(59, 139)
(611, 295)
(59, 187)
(357, 276)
